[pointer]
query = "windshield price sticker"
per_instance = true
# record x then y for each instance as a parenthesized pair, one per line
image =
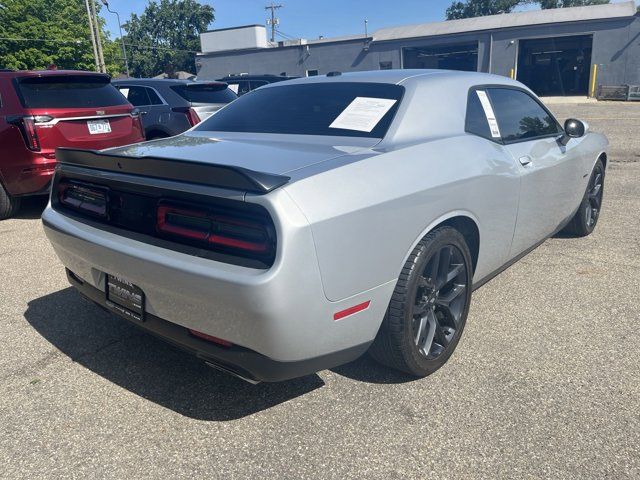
(363, 114)
(488, 111)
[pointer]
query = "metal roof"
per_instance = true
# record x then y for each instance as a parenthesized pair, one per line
(508, 20)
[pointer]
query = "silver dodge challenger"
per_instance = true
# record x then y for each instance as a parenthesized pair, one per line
(313, 220)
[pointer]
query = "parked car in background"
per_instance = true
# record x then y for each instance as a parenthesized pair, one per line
(313, 220)
(242, 84)
(43, 110)
(170, 107)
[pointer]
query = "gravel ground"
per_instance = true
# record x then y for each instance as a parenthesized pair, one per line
(544, 384)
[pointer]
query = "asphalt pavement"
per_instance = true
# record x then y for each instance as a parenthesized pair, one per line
(545, 382)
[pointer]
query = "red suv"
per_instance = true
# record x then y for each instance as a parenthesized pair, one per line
(40, 111)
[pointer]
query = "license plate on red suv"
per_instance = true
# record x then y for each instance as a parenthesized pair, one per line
(96, 127)
(125, 298)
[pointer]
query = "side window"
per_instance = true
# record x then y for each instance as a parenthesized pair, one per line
(137, 96)
(257, 83)
(519, 116)
(243, 87)
(476, 121)
(154, 99)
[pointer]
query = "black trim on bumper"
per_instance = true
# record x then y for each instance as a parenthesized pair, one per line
(250, 365)
(46, 190)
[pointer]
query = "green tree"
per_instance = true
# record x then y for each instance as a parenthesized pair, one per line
(570, 3)
(479, 8)
(166, 36)
(37, 33)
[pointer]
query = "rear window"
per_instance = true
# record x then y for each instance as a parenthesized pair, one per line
(72, 91)
(205, 93)
(348, 109)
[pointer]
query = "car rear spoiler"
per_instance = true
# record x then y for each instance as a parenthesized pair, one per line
(223, 176)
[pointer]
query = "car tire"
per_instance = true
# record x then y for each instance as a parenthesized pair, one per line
(9, 205)
(429, 306)
(156, 136)
(586, 218)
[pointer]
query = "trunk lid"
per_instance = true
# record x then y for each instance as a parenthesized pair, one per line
(268, 153)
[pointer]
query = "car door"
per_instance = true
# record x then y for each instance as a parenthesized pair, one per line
(149, 103)
(549, 171)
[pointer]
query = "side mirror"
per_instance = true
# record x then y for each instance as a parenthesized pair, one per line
(573, 128)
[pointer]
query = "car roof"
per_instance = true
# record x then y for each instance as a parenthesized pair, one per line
(256, 77)
(162, 81)
(49, 73)
(402, 77)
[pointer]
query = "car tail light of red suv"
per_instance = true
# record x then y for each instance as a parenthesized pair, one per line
(41, 111)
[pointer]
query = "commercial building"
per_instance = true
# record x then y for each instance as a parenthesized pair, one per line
(568, 51)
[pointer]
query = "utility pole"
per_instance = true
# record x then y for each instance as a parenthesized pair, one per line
(96, 27)
(93, 36)
(124, 50)
(273, 22)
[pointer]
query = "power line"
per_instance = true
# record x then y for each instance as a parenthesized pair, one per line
(78, 42)
(19, 39)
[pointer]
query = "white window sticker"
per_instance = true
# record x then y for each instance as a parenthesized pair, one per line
(488, 111)
(234, 87)
(363, 114)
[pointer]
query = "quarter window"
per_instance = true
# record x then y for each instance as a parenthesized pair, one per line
(153, 97)
(476, 121)
(137, 96)
(520, 117)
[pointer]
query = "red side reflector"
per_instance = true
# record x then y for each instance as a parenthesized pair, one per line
(210, 338)
(351, 310)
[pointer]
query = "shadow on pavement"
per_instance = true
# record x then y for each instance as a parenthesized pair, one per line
(31, 208)
(148, 367)
(365, 369)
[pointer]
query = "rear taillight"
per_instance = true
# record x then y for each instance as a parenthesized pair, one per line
(84, 198)
(191, 114)
(136, 115)
(217, 230)
(27, 127)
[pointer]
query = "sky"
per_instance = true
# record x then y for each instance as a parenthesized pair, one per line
(307, 18)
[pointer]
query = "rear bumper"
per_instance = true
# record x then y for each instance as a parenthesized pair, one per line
(31, 177)
(245, 363)
(278, 317)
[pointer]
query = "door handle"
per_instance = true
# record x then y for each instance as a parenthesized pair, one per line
(525, 160)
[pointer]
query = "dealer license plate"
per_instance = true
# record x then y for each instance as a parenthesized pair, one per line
(124, 298)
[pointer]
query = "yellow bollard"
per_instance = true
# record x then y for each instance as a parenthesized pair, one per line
(594, 77)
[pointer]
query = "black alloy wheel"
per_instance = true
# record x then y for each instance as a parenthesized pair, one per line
(440, 301)
(429, 306)
(586, 218)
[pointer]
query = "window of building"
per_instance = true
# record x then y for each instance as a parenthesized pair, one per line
(458, 56)
(312, 73)
(386, 65)
(520, 117)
